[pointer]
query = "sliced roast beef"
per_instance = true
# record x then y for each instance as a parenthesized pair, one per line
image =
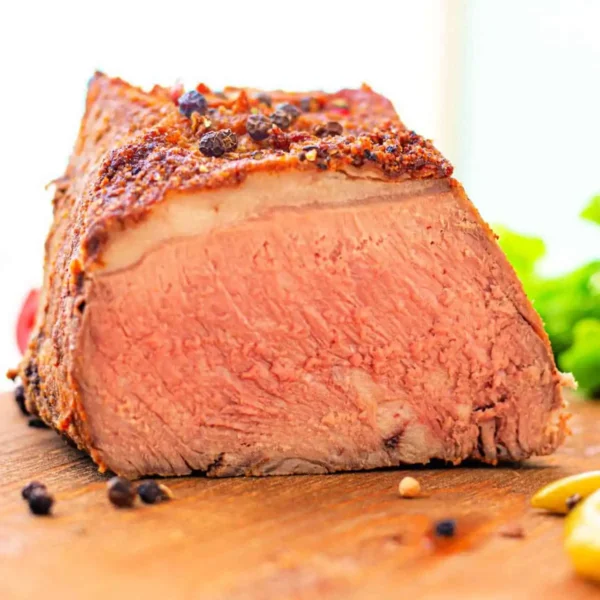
(245, 287)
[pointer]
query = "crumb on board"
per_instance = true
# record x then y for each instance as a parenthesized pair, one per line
(512, 530)
(409, 487)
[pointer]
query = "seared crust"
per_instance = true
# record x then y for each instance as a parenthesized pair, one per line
(135, 146)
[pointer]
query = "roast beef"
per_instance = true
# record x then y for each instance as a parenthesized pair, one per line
(315, 297)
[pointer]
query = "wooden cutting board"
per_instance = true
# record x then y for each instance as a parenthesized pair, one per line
(338, 536)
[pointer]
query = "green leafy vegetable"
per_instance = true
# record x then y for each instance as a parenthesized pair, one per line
(592, 211)
(569, 305)
(523, 252)
(583, 355)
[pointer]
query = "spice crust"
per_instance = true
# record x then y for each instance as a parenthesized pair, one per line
(136, 146)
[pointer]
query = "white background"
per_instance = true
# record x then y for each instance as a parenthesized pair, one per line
(509, 91)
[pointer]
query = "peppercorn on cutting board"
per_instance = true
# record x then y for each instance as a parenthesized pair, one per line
(339, 536)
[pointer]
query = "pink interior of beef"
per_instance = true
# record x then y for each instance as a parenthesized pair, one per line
(315, 339)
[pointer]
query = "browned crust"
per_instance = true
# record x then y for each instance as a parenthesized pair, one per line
(136, 146)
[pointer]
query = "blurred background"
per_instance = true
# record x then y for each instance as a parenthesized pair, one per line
(509, 91)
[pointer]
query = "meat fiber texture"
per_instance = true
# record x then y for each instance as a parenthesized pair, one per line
(325, 299)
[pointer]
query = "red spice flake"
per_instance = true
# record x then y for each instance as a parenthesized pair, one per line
(279, 140)
(65, 423)
(203, 89)
(241, 104)
(298, 136)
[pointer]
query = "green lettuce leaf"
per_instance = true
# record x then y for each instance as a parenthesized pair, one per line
(583, 357)
(592, 211)
(569, 304)
(564, 301)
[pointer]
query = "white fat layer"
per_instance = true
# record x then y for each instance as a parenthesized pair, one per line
(192, 214)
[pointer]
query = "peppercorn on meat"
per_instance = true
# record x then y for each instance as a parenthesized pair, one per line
(255, 283)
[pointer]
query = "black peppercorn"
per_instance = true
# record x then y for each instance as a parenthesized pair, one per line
(290, 109)
(572, 501)
(151, 492)
(37, 423)
(330, 128)
(285, 115)
(31, 487)
(192, 102)
(264, 99)
(217, 143)
(40, 502)
(258, 127)
(121, 492)
(306, 104)
(20, 399)
(445, 528)
(370, 155)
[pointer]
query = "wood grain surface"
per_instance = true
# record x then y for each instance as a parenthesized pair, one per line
(336, 536)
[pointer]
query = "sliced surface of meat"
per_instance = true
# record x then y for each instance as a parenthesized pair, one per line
(308, 303)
